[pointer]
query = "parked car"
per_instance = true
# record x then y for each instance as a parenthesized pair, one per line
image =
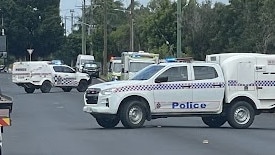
(92, 69)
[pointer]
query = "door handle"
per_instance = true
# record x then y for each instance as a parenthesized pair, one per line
(186, 86)
(259, 87)
(217, 85)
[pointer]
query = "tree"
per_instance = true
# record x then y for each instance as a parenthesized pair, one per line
(158, 29)
(32, 24)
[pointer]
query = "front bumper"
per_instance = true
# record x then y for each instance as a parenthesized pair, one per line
(92, 73)
(97, 110)
(101, 104)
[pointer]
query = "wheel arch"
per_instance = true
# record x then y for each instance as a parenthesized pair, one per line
(44, 80)
(248, 100)
(139, 98)
(82, 80)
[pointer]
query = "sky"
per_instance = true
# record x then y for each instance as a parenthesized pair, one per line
(66, 5)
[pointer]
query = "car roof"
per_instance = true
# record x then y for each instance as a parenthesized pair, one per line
(185, 63)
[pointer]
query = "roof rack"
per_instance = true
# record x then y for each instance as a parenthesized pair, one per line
(185, 59)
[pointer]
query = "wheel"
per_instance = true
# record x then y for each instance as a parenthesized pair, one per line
(46, 87)
(107, 122)
(132, 114)
(214, 121)
(241, 115)
(29, 90)
(82, 86)
(66, 89)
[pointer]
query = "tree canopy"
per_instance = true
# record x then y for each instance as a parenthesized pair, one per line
(32, 24)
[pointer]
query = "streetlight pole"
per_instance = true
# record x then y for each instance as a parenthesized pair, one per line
(104, 55)
(179, 29)
(179, 26)
(131, 47)
(132, 26)
(83, 28)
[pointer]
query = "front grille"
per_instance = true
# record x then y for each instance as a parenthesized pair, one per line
(92, 95)
(91, 99)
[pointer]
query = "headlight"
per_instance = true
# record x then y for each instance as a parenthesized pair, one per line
(108, 91)
(114, 78)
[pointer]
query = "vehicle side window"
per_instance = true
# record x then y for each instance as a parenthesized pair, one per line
(205, 72)
(57, 68)
(176, 74)
(67, 70)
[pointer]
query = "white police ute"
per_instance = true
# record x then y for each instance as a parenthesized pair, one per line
(229, 88)
(44, 75)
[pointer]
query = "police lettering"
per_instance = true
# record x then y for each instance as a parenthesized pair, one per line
(188, 105)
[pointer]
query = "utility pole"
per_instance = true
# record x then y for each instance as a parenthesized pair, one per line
(83, 28)
(65, 25)
(105, 40)
(72, 19)
(2, 23)
(179, 29)
(132, 26)
(91, 25)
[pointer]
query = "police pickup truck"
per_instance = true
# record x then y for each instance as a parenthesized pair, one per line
(229, 88)
(44, 75)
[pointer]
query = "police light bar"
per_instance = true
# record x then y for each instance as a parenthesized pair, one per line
(171, 60)
(57, 62)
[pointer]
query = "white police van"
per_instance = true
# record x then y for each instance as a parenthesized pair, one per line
(229, 88)
(44, 75)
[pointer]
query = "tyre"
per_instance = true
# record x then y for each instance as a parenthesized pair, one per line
(66, 89)
(132, 114)
(46, 87)
(107, 122)
(214, 121)
(82, 86)
(241, 115)
(29, 90)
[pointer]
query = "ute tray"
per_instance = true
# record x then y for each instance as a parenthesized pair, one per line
(6, 102)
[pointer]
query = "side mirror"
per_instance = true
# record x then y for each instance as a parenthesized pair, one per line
(161, 79)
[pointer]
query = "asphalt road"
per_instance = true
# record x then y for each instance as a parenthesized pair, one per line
(54, 124)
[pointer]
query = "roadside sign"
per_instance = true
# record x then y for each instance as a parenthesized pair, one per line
(30, 53)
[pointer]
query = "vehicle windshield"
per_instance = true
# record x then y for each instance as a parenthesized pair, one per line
(137, 66)
(117, 67)
(90, 65)
(147, 72)
(86, 61)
